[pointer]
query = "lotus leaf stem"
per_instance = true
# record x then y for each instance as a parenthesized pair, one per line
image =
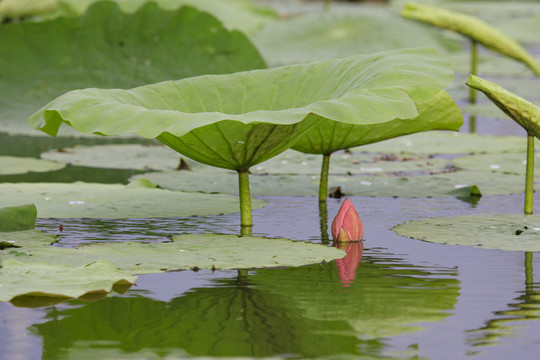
(529, 175)
(323, 184)
(246, 222)
(323, 215)
(472, 91)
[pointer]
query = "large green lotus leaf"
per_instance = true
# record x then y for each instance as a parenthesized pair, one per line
(20, 165)
(86, 200)
(439, 113)
(447, 143)
(473, 28)
(231, 121)
(57, 282)
(327, 35)
(183, 252)
(109, 48)
(496, 231)
(508, 163)
(18, 218)
(386, 297)
(518, 109)
(445, 184)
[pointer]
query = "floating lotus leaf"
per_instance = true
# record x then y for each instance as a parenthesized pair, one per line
(86, 200)
(182, 252)
(508, 163)
(496, 231)
(17, 218)
(444, 184)
(109, 48)
(473, 28)
(20, 165)
(358, 30)
(518, 109)
(50, 283)
(447, 143)
(230, 121)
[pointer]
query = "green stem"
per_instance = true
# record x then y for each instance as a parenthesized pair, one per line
(529, 176)
(472, 92)
(326, 5)
(323, 184)
(246, 222)
(323, 216)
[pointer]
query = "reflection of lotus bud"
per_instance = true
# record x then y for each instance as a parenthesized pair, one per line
(349, 264)
(347, 225)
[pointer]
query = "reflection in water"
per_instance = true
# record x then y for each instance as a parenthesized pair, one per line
(298, 312)
(349, 264)
(509, 322)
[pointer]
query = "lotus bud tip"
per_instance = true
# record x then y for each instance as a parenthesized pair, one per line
(347, 225)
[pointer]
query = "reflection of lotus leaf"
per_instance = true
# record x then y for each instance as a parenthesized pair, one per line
(498, 231)
(384, 299)
(109, 48)
(231, 319)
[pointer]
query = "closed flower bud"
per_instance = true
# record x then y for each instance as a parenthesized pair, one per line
(347, 225)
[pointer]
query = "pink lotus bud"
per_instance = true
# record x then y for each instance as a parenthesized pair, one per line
(347, 225)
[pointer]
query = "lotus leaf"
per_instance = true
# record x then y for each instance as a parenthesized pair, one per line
(182, 252)
(518, 109)
(473, 28)
(86, 200)
(508, 163)
(358, 30)
(57, 283)
(109, 48)
(17, 218)
(446, 143)
(496, 231)
(20, 165)
(444, 184)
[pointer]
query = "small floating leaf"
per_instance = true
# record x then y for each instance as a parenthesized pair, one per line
(505, 232)
(19, 165)
(18, 218)
(56, 283)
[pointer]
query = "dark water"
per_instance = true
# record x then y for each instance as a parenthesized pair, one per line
(406, 298)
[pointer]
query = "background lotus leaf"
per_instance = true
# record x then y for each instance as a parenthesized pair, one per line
(23, 8)
(17, 218)
(446, 143)
(109, 48)
(492, 231)
(87, 200)
(473, 28)
(508, 163)
(57, 282)
(182, 252)
(20, 165)
(356, 30)
(444, 184)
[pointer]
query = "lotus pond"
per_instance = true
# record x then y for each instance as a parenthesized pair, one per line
(135, 250)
